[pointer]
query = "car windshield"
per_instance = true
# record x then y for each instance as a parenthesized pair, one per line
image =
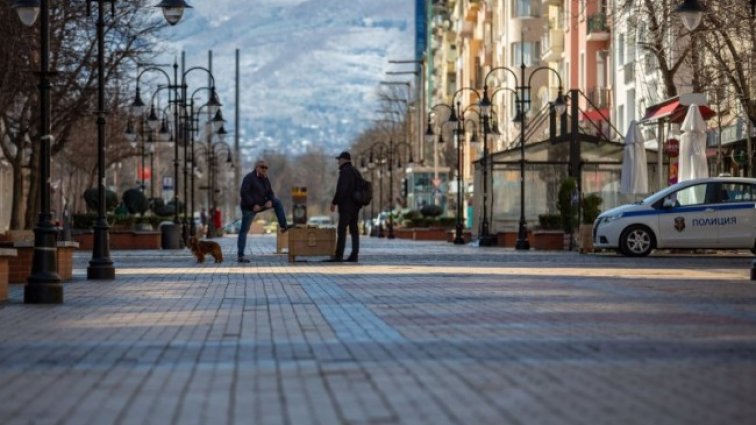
(661, 194)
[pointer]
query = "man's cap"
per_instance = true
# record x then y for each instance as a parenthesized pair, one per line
(344, 155)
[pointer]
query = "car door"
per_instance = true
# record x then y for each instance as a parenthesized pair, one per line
(737, 211)
(686, 218)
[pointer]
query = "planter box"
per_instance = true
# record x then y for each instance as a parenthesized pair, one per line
(404, 233)
(509, 239)
(311, 241)
(20, 268)
(585, 238)
(433, 234)
(548, 240)
(282, 242)
(466, 235)
(6, 254)
(122, 240)
(65, 260)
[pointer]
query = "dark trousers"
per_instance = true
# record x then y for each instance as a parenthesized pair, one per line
(347, 217)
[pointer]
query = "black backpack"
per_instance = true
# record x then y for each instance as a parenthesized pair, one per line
(363, 190)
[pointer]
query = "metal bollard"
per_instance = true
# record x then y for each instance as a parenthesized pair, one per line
(753, 270)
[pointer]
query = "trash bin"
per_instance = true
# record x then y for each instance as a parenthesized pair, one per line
(170, 235)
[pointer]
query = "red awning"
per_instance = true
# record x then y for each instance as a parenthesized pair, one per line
(673, 111)
(595, 115)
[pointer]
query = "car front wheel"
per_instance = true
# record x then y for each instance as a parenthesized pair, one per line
(636, 241)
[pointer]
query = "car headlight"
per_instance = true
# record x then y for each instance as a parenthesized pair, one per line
(610, 218)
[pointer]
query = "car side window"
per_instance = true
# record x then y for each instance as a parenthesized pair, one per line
(691, 195)
(737, 192)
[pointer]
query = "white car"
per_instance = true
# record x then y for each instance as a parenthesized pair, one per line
(321, 221)
(709, 213)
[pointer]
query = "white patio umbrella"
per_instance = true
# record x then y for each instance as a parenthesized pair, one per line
(634, 177)
(692, 164)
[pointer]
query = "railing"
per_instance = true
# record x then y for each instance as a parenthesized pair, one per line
(599, 97)
(597, 23)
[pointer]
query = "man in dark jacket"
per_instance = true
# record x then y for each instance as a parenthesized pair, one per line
(348, 209)
(256, 196)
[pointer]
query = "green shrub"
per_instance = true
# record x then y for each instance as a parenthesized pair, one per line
(590, 206)
(86, 221)
(550, 221)
(566, 205)
(446, 222)
(91, 198)
(431, 211)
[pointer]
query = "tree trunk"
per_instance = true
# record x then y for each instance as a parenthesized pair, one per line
(16, 220)
(32, 199)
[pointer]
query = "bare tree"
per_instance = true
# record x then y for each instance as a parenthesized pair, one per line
(73, 57)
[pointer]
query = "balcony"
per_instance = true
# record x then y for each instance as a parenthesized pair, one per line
(598, 29)
(599, 97)
(552, 44)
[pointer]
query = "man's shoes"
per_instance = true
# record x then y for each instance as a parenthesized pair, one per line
(243, 260)
(351, 259)
(285, 228)
(334, 260)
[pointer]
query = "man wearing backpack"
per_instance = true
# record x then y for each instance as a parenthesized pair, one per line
(348, 208)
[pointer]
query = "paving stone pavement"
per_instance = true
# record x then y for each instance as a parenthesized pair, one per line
(416, 333)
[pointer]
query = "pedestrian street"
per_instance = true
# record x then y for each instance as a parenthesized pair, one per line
(415, 333)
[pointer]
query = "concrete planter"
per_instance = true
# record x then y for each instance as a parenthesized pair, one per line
(509, 239)
(122, 240)
(585, 238)
(20, 267)
(466, 235)
(548, 240)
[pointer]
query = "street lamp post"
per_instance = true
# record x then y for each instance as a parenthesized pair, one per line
(390, 157)
(179, 104)
(101, 265)
(521, 100)
(43, 285)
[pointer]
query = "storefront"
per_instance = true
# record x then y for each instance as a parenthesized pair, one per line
(728, 155)
(546, 167)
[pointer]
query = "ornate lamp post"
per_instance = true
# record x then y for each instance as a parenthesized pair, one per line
(485, 237)
(43, 285)
(691, 13)
(521, 118)
(456, 116)
(215, 126)
(179, 103)
(392, 158)
(376, 165)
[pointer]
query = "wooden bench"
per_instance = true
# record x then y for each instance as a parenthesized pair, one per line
(5, 255)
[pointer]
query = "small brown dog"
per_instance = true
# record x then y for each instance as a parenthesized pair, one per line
(200, 248)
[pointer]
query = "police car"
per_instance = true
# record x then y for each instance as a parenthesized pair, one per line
(709, 213)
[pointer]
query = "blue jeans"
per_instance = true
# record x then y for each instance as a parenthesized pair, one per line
(248, 216)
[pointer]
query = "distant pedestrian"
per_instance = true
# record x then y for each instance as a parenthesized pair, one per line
(218, 221)
(348, 209)
(203, 223)
(257, 196)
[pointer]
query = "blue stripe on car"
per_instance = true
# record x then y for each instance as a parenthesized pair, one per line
(697, 208)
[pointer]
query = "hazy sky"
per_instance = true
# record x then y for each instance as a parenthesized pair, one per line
(309, 69)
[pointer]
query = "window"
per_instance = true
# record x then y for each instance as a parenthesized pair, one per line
(621, 117)
(737, 192)
(621, 49)
(526, 8)
(581, 71)
(530, 50)
(691, 195)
